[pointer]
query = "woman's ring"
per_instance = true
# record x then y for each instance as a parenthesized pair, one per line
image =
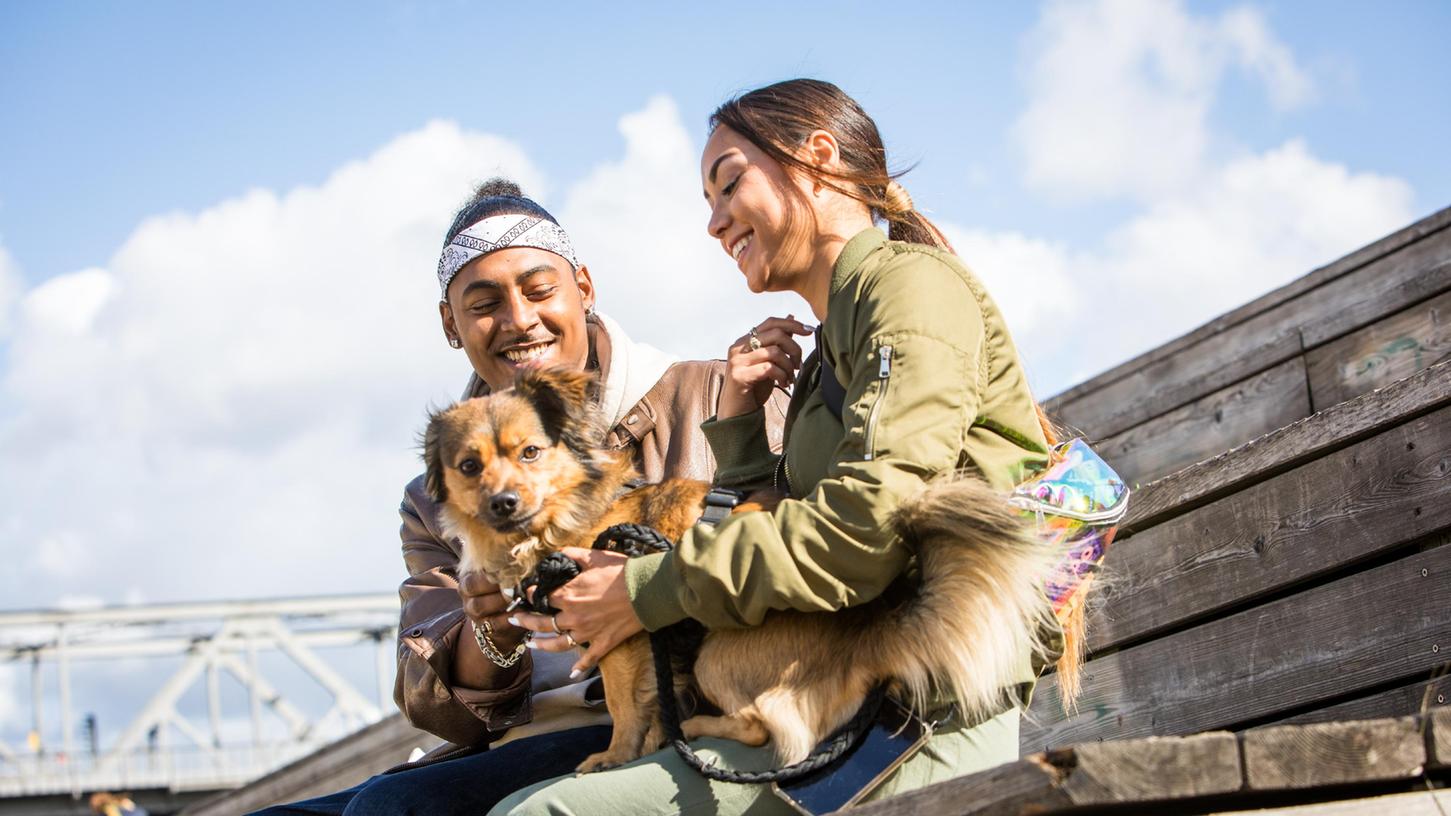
(755, 341)
(570, 640)
(554, 621)
(488, 627)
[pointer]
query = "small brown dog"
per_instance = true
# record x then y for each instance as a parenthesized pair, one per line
(520, 474)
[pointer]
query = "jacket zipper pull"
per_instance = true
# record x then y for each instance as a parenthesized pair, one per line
(885, 369)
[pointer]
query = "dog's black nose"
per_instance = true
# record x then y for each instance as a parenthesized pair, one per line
(503, 505)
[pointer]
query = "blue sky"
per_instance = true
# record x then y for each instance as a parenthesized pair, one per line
(218, 222)
(117, 111)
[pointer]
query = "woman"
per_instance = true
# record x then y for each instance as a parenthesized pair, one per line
(914, 375)
(513, 296)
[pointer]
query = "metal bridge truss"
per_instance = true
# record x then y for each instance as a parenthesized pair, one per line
(211, 638)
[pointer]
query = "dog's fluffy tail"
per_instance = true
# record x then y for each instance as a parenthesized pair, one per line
(980, 611)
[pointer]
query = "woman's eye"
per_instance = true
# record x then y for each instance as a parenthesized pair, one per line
(470, 467)
(529, 454)
(730, 188)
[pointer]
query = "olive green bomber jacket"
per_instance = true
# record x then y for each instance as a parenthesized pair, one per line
(933, 383)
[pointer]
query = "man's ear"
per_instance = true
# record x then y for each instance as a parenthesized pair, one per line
(450, 326)
(561, 398)
(433, 456)
(586, 286)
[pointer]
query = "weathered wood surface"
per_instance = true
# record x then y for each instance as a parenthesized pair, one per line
(1340, 306)
(1357, 502)
(1365, 255)
(1439, 740)
(336, 767)
(1217, 422)
(1365, 630)
(1312, 756)
(1381, 353)
(1288, 447)
(1423, 803)
(1089, 774)
(1197, 773)
(1402, 701)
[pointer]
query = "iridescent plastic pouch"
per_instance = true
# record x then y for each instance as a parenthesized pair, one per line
(1078, 502)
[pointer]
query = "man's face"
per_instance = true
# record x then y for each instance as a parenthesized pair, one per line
(517, 308)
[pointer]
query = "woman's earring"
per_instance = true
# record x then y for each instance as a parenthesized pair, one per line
(589, 310)
(455, 342)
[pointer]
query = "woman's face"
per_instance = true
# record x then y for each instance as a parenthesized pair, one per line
(519, 308)
(758, 211)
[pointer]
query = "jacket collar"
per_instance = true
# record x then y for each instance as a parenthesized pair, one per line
(852, 255)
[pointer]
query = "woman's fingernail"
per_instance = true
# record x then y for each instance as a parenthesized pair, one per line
(576, 674)
(513, 620)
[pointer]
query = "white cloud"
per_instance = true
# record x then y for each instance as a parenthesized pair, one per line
(228, 407)
(1121, 92)
(10, 288)
(1120, 97)
(639, 224)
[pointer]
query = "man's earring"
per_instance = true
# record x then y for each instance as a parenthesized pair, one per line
(455, 342)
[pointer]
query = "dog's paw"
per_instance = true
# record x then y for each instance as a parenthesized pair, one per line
(602, 761)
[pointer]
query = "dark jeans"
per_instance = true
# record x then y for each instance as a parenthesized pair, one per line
(466, 785)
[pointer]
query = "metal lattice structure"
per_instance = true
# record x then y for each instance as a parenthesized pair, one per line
(211, 639)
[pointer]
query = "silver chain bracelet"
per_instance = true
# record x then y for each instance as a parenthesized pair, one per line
(481, 636)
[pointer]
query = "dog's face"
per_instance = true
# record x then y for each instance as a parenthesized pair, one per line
(506, 466)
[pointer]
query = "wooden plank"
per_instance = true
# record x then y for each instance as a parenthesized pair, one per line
(1439, 722)
(1371, 252)
(1382, 353)
(335, 767)
(1147, 770)
(1233, 416)
(1422, 803)
(1401, 701)
(1312, 756)
(1365, 630)
(1339, 307)
(1360, 501)
(1288, 447)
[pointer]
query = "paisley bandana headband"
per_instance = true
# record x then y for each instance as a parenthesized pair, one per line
(500, 232)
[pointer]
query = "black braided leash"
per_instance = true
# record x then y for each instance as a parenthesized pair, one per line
(679, 643)
(670, 643)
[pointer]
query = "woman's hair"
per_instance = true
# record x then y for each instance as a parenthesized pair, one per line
(778, 118)
(497, 196)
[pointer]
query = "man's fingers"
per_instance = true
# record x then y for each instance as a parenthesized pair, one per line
(476, 583)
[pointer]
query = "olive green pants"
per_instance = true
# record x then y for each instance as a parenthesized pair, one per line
(662, 783)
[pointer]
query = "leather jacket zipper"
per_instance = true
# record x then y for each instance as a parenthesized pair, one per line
(884, 374)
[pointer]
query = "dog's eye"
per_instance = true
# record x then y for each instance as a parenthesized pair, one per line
(470, 467)
(529, 454)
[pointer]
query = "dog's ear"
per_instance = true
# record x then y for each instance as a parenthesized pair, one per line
(433, 456)
(564, 400)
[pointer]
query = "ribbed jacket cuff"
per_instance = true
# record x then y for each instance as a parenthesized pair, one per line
(741, 448)
(653, 593)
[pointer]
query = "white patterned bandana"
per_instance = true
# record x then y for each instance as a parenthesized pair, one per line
(501, 232)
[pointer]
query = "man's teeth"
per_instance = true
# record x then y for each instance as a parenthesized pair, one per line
(739, 247)
(521, 355)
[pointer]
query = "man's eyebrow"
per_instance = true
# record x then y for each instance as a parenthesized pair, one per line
(532, 271)
(479, 284)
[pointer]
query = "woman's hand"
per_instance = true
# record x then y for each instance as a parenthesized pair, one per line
(764, 358)
(594, 609)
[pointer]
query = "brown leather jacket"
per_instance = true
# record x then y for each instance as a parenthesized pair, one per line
(663, 430)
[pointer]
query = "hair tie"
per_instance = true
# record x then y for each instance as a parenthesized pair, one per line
(897, 200)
